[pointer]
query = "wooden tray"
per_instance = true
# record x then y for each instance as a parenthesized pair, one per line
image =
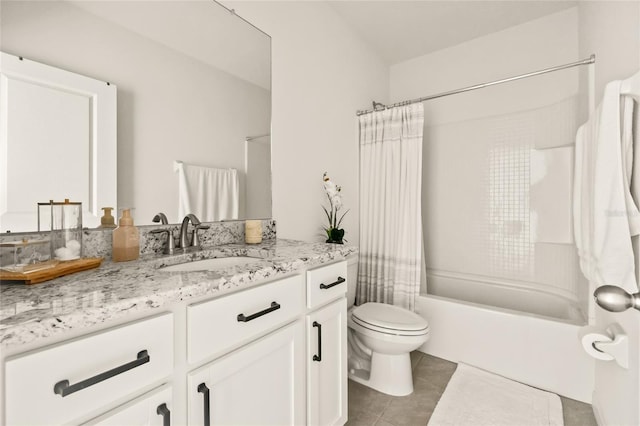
(59, 270)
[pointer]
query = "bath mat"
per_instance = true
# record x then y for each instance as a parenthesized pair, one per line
(476, 397)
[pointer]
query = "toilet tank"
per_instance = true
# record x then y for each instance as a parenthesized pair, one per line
(352, 280)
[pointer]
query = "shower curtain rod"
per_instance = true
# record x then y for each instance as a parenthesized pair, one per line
(376, 105)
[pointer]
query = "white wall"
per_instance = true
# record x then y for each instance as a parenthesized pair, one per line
(611, 30)
(322, 74)
(170, 106)
(477, 187)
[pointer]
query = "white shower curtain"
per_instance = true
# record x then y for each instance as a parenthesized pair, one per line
(390, 206)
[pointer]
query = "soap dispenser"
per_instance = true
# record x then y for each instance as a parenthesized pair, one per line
(107, 221)
(126, 242)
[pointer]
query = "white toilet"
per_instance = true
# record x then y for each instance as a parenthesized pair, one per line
(380, 339)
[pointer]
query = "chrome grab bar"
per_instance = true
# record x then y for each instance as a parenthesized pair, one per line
(615, 299)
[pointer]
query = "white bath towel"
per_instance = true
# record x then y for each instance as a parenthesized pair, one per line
(209, 193)
(631, 88)
(605, 215)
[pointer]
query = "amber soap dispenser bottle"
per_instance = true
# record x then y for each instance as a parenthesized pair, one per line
(126, 240)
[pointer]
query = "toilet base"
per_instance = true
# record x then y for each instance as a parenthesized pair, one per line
(390, 374)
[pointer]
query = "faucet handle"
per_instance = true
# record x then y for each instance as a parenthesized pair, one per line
(171, 244)
(195, 239)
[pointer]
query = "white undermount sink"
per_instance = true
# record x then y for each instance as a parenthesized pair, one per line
(211, 264)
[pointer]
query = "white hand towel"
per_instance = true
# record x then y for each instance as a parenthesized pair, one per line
(209, 193)
(605, 215)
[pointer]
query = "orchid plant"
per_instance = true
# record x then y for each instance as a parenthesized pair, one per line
(334, 233)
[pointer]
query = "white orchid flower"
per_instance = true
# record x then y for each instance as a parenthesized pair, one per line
(336, 202)
(335, 199)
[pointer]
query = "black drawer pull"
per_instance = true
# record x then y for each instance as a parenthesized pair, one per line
(64, 388)
(204, 390)
(319, 356)
(340, 280)
(163, 411)
(274, 307)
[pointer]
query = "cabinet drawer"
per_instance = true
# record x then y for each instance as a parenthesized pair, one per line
(326, 283)
(215, 326)
(65, 382)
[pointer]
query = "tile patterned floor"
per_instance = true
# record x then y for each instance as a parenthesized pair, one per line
(368, 407)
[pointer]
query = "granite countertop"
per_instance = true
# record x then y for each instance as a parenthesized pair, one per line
(114, 290)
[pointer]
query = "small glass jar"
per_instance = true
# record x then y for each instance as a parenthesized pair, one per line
(65, 221)
(25, 255)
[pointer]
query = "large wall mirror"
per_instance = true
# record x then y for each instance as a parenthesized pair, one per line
(193, 86)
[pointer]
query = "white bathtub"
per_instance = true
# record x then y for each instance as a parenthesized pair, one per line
(526, 335)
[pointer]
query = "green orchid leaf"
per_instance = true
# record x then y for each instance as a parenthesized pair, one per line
(341, 217)
(327, 213)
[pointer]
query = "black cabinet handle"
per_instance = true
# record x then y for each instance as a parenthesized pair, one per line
(274, 307)
(319, 356)
(64, 388)
(203, 389)
(340, 280)
(163, 411)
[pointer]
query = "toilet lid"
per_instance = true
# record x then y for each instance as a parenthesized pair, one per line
(390, 319)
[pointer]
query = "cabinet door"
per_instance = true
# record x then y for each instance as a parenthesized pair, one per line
(261, 383)
(152, 409)
(327, 365)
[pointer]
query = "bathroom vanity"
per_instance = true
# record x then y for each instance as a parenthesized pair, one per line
(255, 342)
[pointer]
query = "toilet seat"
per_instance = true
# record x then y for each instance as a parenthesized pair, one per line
(389, 319)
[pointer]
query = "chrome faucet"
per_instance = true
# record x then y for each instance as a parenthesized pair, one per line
(195, 242)
(160, 218)
(182, 242)
(170, 246)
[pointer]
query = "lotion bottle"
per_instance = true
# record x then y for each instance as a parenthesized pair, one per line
(126, 241)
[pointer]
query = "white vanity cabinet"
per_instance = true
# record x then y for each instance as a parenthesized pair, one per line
(271, 354)
(327, 345)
